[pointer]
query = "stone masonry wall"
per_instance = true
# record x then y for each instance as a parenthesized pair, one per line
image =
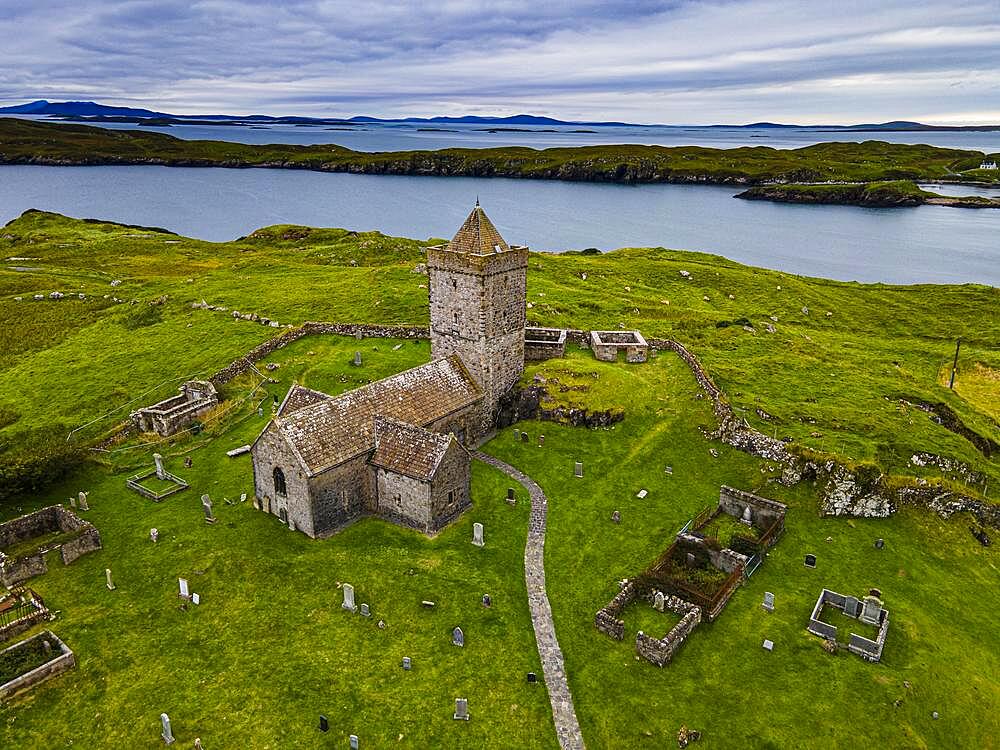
(342, 495)
(764, 512)
(608, 619)
(403, 499)
(41, 522)
(60, 663)
(454, 475)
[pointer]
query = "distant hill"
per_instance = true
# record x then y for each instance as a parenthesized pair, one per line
(95, 112)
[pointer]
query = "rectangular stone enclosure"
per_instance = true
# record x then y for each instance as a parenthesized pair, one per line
(544, 343)
(866, 648)
(608, 344)
(83, 537)
(61, 660)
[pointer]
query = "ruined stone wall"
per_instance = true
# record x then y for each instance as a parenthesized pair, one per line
(764, 512)
(660, 651)
(31, 525)
(15, 570)
(62, 661)
(403, 500)
(88, 541)
(342, 495)
(454, 475)
(41, 522)
(608, 619)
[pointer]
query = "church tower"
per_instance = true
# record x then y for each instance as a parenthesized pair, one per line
(478, 290)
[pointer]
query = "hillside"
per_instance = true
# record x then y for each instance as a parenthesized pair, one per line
(843, 371)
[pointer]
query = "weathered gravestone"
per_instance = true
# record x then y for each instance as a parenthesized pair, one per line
(871, 610)
(107, 575)
(357, 359)
(851, 605)
(578, 469)
(810, 561)
(154, 535)
(206, 504)
(183, 586)
(196, 598)
(659, 601)
(166, 734)
(616, 516)
(354, 741)
(487, 600)
(541, 440)
(72, 503)
(642, 494)
(768, 601)
(349, 598)
(477, 534)
(768, 645)
(457, 637)
(160, 471)
(407, 663)
(461, 709)
(524, 437)
(879, 543)
(82, 500)
(365, 611)
(747, 518)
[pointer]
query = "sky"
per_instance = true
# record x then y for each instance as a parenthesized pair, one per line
(674, 62)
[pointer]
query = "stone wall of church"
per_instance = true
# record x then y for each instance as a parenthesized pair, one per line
(272, 451)
(450, 489)
(404, 500)
(342, 494)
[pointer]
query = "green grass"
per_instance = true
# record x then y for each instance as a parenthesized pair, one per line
(23, 141)
(269, 648)
(846, 625)
(30, 546)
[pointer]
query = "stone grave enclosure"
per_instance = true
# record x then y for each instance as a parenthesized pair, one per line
(61, 659)
(75, 537)
(869, 611)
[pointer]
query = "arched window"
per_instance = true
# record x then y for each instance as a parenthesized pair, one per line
(279, 482)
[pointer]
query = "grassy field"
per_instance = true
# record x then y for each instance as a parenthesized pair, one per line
(28, 142)
(269, 648)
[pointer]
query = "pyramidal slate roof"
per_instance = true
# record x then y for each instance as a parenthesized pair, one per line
(330, 431)
(408, 449)
(477, 235)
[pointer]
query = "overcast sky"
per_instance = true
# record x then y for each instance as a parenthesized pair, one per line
(677, 61)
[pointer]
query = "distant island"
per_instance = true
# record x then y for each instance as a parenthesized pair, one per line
(894, 194)
(88, 111)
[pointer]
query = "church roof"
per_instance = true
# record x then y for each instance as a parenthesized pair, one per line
(408, 449)
(298, 397)
(331, 431)
(477, 235)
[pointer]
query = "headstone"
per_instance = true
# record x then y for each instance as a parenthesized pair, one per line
(349, 598)
(457, 637)
(810, 561)
(616, 516)
(107, 575)
(427, 604)
(669, 470)
(354, 741)
(642, 494)
(690, 560)
(532, 678)
(462, 709)
(365, 611)
(747, 516)
(851, 606)
(768, 601)
(510, 496)
(768, 645)
(870, 610)
(188, 462)
(324, 723)
(154, 534)
(167, 735)
(206, 504)
(243, 497)
(72, 502)
(82, 500)
(578, 470)
(541, 440)
(487, 600)
(659, 601)
(381, 624)
(160, 472)
(196, 598)
(407, 663)
(477, 534)
(260, 411)
(879, 543)
(524, 437)
(183, 585)
(357, 359)
(197, 744)
(875, 592)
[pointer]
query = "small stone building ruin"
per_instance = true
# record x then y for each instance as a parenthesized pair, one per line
(196, 398)
(698, 574)
(608, 344)
(544, 343)
(396, 448)
(74, 537)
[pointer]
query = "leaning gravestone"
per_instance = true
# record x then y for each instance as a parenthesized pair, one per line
(206, 504)
(642, 494)
(166, 734)
(457, 637)
(462, 709)
(477, 534)
(768, 601)
(349, 598)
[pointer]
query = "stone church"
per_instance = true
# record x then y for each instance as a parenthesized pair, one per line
(398, 448)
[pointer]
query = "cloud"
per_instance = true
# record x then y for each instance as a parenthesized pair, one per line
(686, 61)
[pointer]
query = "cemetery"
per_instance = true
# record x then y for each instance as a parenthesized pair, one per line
(356, 632)
(869, 616)
(157, 483)
(26, 541)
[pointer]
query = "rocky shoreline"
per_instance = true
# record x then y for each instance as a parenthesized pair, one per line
(878, 196)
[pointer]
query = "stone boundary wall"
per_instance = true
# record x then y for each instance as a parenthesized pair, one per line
(867, 649)
(63, 662)
(661, 651)
(817, 626)
(544, 343)
(608, 619)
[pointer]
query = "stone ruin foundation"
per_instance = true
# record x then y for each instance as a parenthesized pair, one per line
(62, 660)
(868, 610)
(544, 343)
(169, 416)
(55, 518)
(607, 344)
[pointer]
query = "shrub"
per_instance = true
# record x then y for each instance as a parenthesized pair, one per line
(34, 459)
